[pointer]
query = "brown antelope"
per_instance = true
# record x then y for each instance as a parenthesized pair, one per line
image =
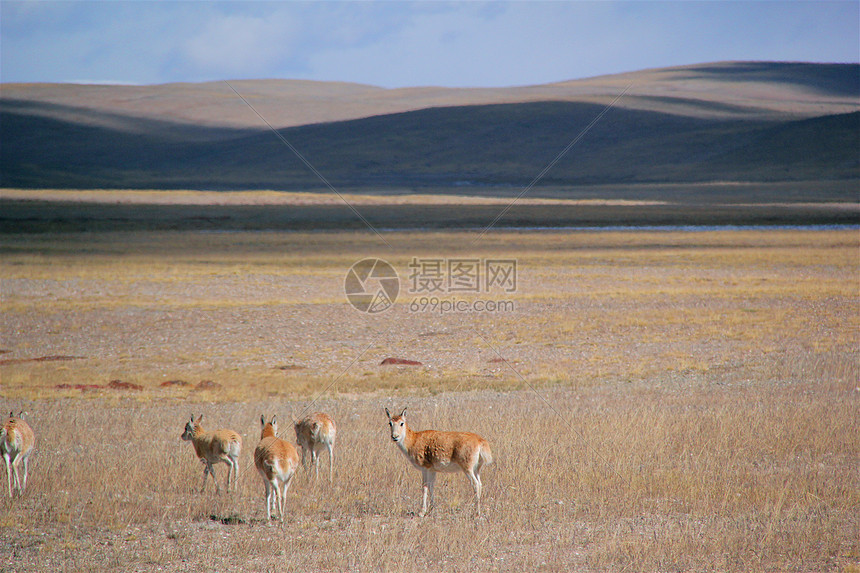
(214, 447)
(431, 451)
(16, 444)
(314, 433)
(277, 461)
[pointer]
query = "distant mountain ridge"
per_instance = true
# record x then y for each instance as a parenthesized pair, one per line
(733, 89)
(742, 121)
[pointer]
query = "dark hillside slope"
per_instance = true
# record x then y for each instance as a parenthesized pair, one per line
(486, 145)
(831, 79)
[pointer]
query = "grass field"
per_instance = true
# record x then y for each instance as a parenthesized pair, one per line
(656, 401)
(708, 204)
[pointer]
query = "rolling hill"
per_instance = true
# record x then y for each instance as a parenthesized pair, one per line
(729, 122)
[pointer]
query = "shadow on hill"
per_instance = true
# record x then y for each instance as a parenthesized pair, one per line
(504, 145)
(831, 79)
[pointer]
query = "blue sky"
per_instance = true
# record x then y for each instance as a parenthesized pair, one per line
(396, 44)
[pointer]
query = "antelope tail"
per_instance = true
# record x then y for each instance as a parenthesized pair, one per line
(486, 455)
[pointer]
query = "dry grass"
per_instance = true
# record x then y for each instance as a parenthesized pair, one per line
(737, 478)
(672, 401)
(295, 198)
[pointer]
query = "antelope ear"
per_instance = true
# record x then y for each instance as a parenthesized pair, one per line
(200, 419)
(387, 413)
(192, 418)
(274, 419)
(262, 420)
(403, 413)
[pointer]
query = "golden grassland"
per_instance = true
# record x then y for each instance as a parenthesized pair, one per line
(296, 198)
(656, 401)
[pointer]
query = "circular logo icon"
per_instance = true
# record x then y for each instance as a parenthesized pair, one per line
(371, 285)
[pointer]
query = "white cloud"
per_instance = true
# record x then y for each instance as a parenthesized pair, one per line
(238, 45)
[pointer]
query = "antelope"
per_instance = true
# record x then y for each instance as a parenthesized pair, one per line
(16, 445)
(212, 448)
(432, 451)
(313, 433)
(277, 461)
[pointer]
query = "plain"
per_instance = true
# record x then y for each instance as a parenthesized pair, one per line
(655, 401)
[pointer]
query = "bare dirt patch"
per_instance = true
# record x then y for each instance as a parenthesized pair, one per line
(52, 358)
(399, 361)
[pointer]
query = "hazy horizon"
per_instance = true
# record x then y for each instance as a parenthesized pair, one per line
(407, 44)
